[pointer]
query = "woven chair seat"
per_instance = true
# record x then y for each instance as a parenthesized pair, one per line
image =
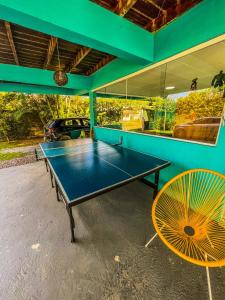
(189, 216)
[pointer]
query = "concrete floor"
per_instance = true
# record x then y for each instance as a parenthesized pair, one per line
(37, 260)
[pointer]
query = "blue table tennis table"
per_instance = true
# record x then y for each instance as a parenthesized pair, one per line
(85, 168)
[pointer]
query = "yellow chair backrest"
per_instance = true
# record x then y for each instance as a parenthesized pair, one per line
(189, 216)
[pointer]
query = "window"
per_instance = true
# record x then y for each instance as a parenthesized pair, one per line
(68, 122)
(76, 122)
(86, 122)
(177, 100)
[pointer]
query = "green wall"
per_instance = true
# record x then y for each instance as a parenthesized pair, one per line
(41, 77)
(200, 24)
(135, 47)
(183, 155)
(37, 89)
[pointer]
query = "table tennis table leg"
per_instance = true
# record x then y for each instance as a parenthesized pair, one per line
(72, 223)
(57, 191)
(51, 176)
(36, 154)
(156, 183)
(46, 164)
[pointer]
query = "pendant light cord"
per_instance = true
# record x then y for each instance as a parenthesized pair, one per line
(161, 8)
(57, 45)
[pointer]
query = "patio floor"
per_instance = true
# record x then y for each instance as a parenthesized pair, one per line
(38, 261)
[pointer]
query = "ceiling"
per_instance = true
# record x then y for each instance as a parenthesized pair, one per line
(28, 48)
(179, 73)
(149, 14)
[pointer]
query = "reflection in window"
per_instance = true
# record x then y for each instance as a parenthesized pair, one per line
(198, 115)
(120, 113)
(159, 116)
(182, 99)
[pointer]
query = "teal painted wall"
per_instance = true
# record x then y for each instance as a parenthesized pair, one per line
(120, 37)
(116, 69)
(200, 24)
(183, 155)
(37, 89)
(41, 77)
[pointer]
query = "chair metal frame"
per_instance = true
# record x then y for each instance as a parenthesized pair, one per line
(188, 184)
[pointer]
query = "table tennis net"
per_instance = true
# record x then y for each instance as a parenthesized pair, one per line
(74, 150)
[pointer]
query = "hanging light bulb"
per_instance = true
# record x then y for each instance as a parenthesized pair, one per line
(60, 77)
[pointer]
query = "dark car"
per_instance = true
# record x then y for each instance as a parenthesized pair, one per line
(204, 129)
(69, 128)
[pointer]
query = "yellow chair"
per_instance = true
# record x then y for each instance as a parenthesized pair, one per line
(189, 217)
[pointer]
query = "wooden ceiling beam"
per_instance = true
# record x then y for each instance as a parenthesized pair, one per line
(154, 4)
(153, 23)
(82, 53)
(142, 14)
(100, 64)
(178, 7)
(51, 48)
(168, 15)
(11, 41)
(123, 6)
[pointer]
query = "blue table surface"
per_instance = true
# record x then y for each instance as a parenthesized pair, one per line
(90, 167)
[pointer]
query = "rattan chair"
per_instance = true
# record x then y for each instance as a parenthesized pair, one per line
(189, 217)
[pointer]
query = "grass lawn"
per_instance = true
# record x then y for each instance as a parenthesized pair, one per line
(20, 143)
(11, 155)
(15, 144)
(160, 132)
(168, 133)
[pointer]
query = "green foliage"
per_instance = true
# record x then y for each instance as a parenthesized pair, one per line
(5, 118)
(11, 155)
(160, 104)
(19, 143)
(207, 103)
(110, 111)
(23, 115)
(164, 113)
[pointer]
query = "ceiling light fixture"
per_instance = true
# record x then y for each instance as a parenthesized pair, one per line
(170, 87)
(60, 77)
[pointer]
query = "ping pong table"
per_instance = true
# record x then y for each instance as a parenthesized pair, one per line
(85, 168)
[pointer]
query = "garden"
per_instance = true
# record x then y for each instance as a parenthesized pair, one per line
(23, 116)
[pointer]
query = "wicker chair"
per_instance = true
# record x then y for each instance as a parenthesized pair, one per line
(189, 217)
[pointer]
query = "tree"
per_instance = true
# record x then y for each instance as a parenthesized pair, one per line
(21, 113)
(110, 110)
(207, 103)
(6, 111)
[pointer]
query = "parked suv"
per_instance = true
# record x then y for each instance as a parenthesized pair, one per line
(204, 129)
(62, 129)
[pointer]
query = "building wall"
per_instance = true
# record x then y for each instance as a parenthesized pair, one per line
(183, 155)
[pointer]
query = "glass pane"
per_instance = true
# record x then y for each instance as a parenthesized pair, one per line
(182, 99)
